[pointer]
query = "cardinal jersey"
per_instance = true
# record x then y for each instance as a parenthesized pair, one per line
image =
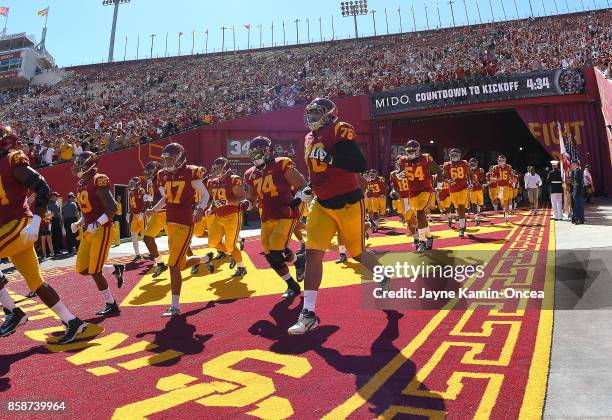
(377, 187)
(400, 185)
(12, 194)
(154, 190)
(478, 177)
(179, 193)
(328, 182)
(137, 203)
(459, 172)
(503, 174)
(221, 191)
(417, 173)
(272, 188)
(444, 193)
(87, 196)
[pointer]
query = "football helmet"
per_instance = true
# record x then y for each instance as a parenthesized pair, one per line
(220, 167)
(8, 139)
(473, 163)
(173, 157)
(454, 155)
(84, 163)
(501, 160)
(413, 149)
(151, 169)
(134, 184)
(260, 151)
(320, 113)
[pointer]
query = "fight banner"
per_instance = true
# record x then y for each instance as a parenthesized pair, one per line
(582, 122)
(470, 91)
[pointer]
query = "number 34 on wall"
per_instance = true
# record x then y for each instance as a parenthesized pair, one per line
(232, 387)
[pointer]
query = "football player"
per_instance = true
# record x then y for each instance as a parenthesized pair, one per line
(400, 194)
(227, 193)
(274, 179)
(458, 174)
(334, 162)
(19, 230)
(156, 220)
(476, 193)
(137, 206)
(376, 197)
(502, 173)
(180, 183)
(418, 168)
(493, 189)
(98, 207)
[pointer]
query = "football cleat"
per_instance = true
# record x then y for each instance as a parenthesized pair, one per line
(195, 269)
(307, 321)
(118, 273)
(209, 265)
(420, 249)
(109, 309)
(232, 262)
(137, 258)
(12, 320)
(171, 311)
(241, 244)
(73, 328)
(220, 255)
(477, 222)
(293, 290)
(31, 294)
(240, 272)
(462, 233)
(341, 258)
(429, 243)
(160, 268)
(450, 222)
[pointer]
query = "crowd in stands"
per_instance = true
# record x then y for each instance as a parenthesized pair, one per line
(113, 106)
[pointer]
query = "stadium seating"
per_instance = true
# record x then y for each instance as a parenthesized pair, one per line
(107, 107)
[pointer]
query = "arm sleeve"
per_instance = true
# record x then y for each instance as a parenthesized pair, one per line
(348, 156)
(198, 185)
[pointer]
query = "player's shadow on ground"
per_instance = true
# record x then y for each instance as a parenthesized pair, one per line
(230, 288)
(362, 367)
(7, 361)
(179, 335)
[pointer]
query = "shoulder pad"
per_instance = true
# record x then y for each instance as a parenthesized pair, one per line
(18, 158)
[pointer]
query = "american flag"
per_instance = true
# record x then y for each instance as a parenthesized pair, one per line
(564, 153)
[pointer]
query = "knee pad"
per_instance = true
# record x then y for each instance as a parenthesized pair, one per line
(276, 259)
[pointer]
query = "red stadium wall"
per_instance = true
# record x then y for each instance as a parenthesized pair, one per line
(205, 144)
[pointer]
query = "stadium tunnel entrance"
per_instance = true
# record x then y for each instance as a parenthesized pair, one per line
(482, 134)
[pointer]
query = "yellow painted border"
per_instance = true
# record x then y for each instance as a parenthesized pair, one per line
(535, 391)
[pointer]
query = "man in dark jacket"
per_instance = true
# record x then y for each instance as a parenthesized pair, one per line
(555, 183)
(576, 181)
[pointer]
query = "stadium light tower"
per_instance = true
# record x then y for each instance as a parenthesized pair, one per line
(354, 8)
(116, 4)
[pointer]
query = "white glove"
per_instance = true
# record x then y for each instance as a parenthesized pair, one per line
(439, 186)
(91, 228)
(74, 227)
(147, 197)
(30, 232)
(140, 217)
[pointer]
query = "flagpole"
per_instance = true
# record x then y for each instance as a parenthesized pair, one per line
(125, 48)
(206, 50)
(234, 36)
(192, 41)
(272, 33)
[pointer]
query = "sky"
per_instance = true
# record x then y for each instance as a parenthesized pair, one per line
(79, 30)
